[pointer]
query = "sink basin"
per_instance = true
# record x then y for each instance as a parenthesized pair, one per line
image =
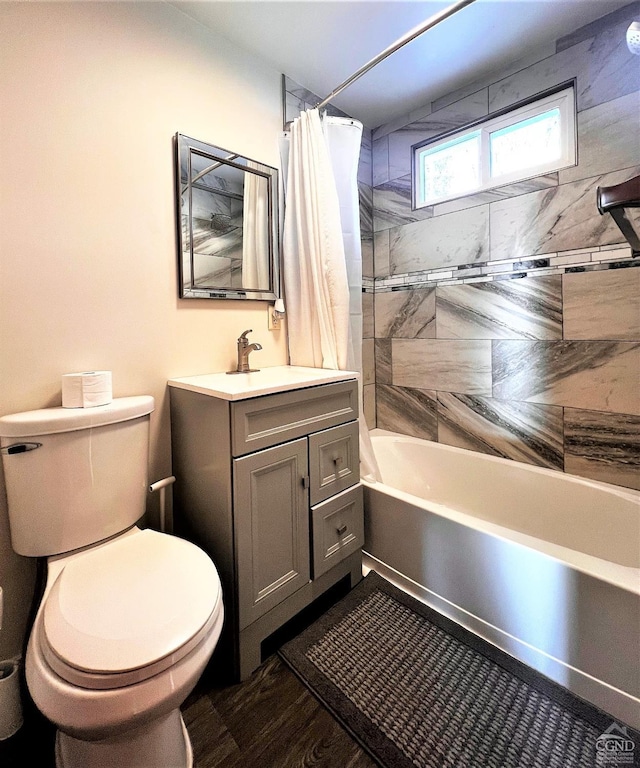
(280, 378)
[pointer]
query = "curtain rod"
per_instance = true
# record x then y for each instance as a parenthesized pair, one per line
(415, 32)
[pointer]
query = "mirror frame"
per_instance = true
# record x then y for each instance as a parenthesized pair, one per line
(184, 146)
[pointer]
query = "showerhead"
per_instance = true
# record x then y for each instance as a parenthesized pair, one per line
(221, 223)
(633, 37)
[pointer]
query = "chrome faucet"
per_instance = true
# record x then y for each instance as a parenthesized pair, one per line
(244, 349)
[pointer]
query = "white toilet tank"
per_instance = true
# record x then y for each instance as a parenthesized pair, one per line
(75, 476)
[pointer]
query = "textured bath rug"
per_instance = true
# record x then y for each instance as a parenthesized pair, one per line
(416, 689)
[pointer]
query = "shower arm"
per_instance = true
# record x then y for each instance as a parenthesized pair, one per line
(615, 200)
(411, 35)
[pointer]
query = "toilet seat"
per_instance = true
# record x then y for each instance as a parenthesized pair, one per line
(126, 611)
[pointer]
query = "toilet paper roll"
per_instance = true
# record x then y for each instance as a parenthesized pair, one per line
(87, 389)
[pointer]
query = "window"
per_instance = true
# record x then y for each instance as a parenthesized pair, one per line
(535, 138)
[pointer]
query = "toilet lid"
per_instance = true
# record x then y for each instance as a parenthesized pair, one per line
(130, 603)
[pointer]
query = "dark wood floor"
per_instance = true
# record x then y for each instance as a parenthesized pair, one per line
(269, 721)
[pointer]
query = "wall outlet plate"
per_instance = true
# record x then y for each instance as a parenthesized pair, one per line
(273, 323)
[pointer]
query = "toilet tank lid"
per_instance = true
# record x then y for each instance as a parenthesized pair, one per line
(49, 421)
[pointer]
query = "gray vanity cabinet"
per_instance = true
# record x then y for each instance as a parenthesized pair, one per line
(269, 487)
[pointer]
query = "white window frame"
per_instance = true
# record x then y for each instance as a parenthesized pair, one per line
(563, 99)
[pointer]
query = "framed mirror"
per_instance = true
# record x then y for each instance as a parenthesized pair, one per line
(227, 220)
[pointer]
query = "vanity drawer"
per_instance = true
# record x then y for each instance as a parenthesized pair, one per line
(337, 529)
(261, 422)
(334, 461)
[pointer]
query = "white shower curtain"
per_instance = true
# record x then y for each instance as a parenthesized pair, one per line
(322, 259)
(255, 231)
(315, 274)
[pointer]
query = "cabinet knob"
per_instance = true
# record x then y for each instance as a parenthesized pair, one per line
(341, 529)
(305, 481)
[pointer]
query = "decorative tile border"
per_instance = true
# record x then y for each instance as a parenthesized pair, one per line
(617, 256)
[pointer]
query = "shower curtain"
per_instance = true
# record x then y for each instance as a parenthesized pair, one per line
(322, 259)
(255, 231)
(315, 274)
(343, 138)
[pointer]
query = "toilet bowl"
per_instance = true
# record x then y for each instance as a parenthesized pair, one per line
(115, 649)
(129, 620)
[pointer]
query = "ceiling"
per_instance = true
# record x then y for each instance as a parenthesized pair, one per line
(319, 44)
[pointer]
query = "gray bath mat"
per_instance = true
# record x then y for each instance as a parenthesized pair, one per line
(416, 689)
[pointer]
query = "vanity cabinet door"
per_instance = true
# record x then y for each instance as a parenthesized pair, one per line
(271, 523)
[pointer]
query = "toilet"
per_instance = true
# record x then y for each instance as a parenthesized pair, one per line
(129, 617)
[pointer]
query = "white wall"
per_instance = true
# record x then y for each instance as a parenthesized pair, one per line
(91, 95)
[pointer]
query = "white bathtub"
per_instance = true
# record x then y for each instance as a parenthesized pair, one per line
(542, 564)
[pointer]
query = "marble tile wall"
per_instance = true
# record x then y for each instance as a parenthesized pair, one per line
(508, 322)
(539, 369)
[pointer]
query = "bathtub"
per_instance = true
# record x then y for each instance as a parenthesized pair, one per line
(542, 564)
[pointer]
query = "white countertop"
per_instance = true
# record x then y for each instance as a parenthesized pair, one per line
(240, 386)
